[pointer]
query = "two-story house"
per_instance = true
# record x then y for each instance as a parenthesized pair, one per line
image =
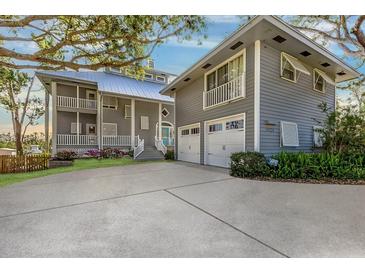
(108, 109)
(258, 90)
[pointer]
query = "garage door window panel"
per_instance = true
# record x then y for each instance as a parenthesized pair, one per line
(236, 124)
(215, 128)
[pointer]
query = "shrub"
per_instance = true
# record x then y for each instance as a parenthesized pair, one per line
(249, 164)
(66, 155)
(95, 153)
(319, 165)
(170, 155)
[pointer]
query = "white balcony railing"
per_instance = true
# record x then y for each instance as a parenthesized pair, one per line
(225, 93)
(72, 102)
(118, 140)
(71, 139)
(92, 140)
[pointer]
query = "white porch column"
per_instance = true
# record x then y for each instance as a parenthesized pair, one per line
(77, 116)
(54, 118)
(159, 121)
(133, 122)
(98, 117)
(46, 120)
(101, 122)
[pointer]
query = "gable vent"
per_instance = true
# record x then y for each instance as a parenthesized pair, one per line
(325, 64)
(279, 39)
(341, 73)
(305, 53)
(187, 79)
(172, 89)
(239, 43)
(206, 66)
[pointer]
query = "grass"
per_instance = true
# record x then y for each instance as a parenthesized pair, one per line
(79, 164)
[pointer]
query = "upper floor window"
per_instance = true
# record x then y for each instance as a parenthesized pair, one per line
(226, 72)
(291, 67)
(160, 78)
(320, 79)
(110, 102)
(148, 76)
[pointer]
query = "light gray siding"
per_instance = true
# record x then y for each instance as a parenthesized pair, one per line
(64, 120)
(282, 100)
(117, 116)
(189, 105)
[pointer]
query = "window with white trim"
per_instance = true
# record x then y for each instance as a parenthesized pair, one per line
(110, 102)
(160, 78)
(318, 138)
(127, 111)
(289, 134)
(109, 129)
(74, 128)
(90, 94)
(165, 112)
(148, 76)
(236, 124)
(224, 73)
(195, 130)
(215, 127)
(145, 123)
(320, 79)
(90, 129)
(291, 67)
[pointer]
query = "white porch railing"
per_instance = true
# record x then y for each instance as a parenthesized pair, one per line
(118, 140)
(229, 91)
(70, 139)
(71, 102)
(160, 146)
(139, 148)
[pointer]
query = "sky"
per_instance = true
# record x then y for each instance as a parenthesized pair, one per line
(172, 56)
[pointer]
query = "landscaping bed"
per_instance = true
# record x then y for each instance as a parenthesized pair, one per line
(322, 181)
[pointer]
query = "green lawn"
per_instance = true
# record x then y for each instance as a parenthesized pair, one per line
(7, 179)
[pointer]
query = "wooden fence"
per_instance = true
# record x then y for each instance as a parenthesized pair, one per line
(26, 163)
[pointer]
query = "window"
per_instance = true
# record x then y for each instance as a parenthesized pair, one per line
(289, 134)
(145, 124)
(109, 129)
(165, 112)
(318, 136)
(236, 124)
(291, 67)
(185, 132)
(127, 111)
(226, 72)
(110, 102)
(160, 78)
(90, 129)
(74, 128)
(215, 127)
(90, 94)
(148, 76)
(320, 79)
(195, 130)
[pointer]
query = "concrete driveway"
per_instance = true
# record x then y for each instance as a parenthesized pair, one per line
(178, 210)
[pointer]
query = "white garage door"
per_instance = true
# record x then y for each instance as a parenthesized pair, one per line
(189, 143)
(224, 137)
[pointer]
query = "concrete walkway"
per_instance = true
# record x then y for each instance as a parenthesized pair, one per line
(178, 210)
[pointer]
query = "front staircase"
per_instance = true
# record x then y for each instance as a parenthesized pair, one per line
(150, 153)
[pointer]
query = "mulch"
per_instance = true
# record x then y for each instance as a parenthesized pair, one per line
(328, 181)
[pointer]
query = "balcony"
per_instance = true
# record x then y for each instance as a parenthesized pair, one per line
(73, 102)
(223, 94)
(92, 140)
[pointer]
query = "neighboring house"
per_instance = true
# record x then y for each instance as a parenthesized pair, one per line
(8, 151)
(258, 90)
(95, 110)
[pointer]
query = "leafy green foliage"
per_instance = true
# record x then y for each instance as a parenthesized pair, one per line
(249, 164)
(170, 155)
(319, 165)
(343, 130)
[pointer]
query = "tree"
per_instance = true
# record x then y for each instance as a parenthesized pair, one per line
(89, 42)
(345, 31)
(25, 111)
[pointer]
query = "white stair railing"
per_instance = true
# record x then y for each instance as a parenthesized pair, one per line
(160, 146)
(139, 148)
